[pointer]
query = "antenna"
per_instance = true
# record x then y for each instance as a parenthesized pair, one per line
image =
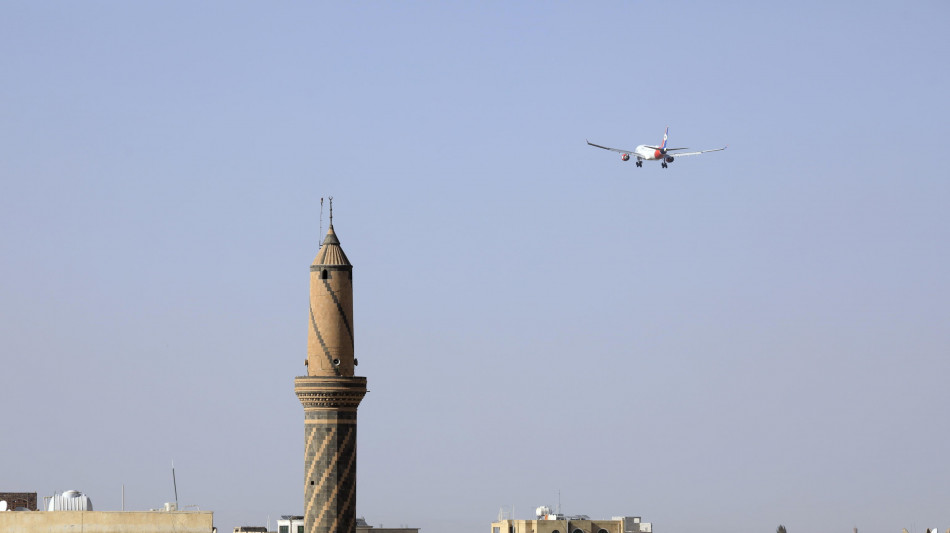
(331, 211)
(175, 484)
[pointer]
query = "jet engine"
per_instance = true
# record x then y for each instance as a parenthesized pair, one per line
(669, 159)
(625, 157)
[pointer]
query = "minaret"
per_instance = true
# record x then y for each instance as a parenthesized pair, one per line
(330, 394)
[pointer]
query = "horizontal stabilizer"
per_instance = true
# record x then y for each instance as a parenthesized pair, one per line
(667, 149)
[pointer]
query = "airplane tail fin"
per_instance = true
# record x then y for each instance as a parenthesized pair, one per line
(665, 135)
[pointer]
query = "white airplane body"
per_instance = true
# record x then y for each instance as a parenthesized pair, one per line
(660, 153)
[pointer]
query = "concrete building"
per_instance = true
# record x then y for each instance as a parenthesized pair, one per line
(363, 527)
(633, 524)
(330, 394)
(107, 522)
(290, 524)
(371, 529)
(295, 524)
(558, 523)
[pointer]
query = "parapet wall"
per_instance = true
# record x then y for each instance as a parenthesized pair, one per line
(106, 522)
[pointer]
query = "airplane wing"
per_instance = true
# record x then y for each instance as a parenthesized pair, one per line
(618, 150)
(700, 152)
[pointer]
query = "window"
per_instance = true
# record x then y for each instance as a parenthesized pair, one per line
(299, 529)
(325, 275)
(284, 529)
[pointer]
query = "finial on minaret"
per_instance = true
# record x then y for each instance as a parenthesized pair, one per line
(331, 211)
(321, 218)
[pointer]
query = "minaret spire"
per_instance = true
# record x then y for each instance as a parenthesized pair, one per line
(330, 394)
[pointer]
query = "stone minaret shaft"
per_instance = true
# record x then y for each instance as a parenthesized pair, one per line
(330, 395)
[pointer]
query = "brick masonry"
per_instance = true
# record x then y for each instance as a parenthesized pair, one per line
(19, 499)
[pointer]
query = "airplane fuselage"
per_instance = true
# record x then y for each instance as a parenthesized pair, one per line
(644, 153)
(647, 153)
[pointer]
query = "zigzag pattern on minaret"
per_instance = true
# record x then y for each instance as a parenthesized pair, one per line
(339, 307)
(348, 501)
(326, 351)
(336, 489)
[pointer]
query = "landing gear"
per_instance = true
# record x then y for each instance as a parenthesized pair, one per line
(639, 163)
(664, 164)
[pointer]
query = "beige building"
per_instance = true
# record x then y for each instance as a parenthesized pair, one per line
(363, 527)
(106, 522)
(295, 524)
(549, 523)
(371, 529)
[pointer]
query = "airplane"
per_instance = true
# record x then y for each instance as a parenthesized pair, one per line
(661, 153)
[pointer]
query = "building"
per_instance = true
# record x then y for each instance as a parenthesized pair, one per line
(295, 524)
(371, 529)
(330, 394)
(19, 500)
(363, 527)
(72, 511)
(633, 524)
(558, 523)
(290, 524)
(107, 522)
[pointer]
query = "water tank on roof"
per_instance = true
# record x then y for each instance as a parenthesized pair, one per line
(71, 500)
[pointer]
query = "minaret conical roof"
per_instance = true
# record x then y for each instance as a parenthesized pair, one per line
(330, 251)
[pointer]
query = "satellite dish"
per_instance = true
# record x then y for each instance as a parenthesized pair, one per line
(3, 505)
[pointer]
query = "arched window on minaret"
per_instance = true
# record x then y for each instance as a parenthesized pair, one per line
(324, 274)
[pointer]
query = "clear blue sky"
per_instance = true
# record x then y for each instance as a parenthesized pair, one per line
(749, 338)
